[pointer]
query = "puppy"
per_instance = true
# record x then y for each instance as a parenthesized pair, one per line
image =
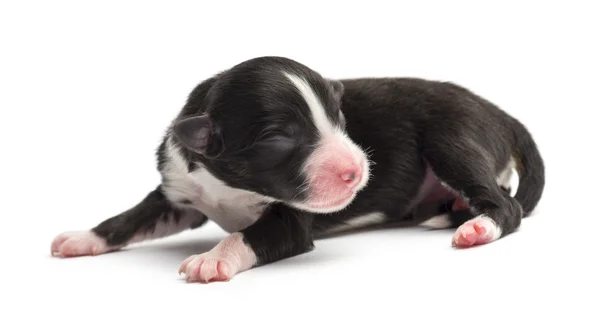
(277, 155)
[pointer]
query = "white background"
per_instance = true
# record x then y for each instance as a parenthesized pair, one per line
(86, 91)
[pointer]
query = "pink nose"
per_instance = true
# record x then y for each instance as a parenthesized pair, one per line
(351, 177)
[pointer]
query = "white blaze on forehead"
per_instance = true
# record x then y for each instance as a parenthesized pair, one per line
(315, 105)
(336, 152)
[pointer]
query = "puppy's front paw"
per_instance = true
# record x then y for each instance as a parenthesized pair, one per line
(229, 257)
(477, 231)
(207, 267)
(70, 244)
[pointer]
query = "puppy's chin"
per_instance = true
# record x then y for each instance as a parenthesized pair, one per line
(325, 206)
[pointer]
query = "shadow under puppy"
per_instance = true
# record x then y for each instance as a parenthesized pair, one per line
(276, 155)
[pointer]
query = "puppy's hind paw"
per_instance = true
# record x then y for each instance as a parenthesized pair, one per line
(477, 231)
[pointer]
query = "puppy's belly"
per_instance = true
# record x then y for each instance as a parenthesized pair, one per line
(433, 194)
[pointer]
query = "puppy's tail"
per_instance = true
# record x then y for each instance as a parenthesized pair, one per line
(530, 167)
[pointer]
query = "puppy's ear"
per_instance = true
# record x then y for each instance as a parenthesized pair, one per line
(338, 88)
(199, 134)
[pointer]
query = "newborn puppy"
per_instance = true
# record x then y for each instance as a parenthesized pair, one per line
(277, 155)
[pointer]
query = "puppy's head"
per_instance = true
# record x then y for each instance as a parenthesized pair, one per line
(273, 126)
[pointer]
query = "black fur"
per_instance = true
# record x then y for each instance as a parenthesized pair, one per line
(143, 218)
(280, 232)
(264, 121)
(250, 128)
(407, 123)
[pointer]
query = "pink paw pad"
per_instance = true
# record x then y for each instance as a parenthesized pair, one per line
(71, 244)
(478, 231)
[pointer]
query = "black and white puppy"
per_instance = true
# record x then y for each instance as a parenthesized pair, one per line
(277, 155)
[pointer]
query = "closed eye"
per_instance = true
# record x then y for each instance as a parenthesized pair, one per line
(272, 151)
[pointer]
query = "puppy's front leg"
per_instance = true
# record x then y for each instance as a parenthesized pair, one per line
(154, 217)
(281, 232)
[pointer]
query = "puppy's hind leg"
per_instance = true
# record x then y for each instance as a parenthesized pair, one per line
(456, 212)
(469, 169)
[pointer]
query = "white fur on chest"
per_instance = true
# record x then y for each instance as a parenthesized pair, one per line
(232, 209)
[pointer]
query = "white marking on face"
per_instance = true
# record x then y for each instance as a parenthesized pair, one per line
(358, 222)
(317, 109)
(231, 208)
(438, 222)
(334, 155)
(230, 257)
